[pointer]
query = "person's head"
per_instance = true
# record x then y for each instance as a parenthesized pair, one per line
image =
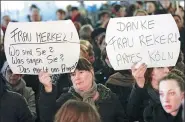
(77, 111)
(139, 4)
(12, 79)
(178, 21)
(140, 12)
(154, 75)
(97, 33)
(5, 20)
(83, 76)
(60, 14)
(88, 48)
(150, 7)
(35, 15)
(119, 10)
(165, 3)
(74, 11)
(171, 90)
(85, 32)
(104, 16)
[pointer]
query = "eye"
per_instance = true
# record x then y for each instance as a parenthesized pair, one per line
(81, 72)
(72, 74)
(172, 93)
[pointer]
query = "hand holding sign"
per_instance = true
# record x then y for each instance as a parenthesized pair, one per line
(32, 47)
(149, 39)
(139, 74)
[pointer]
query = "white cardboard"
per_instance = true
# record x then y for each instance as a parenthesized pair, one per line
(156, 54)
(63, 48)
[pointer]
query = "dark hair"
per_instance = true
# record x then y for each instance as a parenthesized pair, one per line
(61, 11)
(139, 2)
(176, 15)
(117, 7)
(74, 9)
(177, 76)
(77, 111)
(33, 6)
(84, 64)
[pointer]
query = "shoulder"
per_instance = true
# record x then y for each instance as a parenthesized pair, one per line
(105, 93)
(13, 96)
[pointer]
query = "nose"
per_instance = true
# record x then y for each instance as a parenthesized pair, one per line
(77, 76)
(166, 98)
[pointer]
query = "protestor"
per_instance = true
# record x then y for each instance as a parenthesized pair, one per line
(151, 7)
(63, 87)
(120, 82)
(167, 5)
(140, 12)
(104, 17)
(85, 33)
(5, 20)
(98, 32)
(35, 15)
(119, 11)
(16, 84)
(77, 17)
(145, 91)
(139, 4)
(181, 28)
(13, 107)
(77, 111)
(89, 49)
(171, 90)
(84, 89)
(61, 14)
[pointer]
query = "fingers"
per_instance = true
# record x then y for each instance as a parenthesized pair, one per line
(44, 76)
(137, 73)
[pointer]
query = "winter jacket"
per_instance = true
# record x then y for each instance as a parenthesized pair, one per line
(28, 94)
(108, 105)
(22, 89)
(13, 107)
(155, 113)
(139, 99)
(121, 83)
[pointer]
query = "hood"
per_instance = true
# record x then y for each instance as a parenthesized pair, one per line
(4, 69)
(121, 79)
(2, 85)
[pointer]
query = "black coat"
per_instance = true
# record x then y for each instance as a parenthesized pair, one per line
(108, 105)
(155, 113)
(13, 107)
(139, 99)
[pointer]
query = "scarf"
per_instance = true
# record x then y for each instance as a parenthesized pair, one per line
(88, 95)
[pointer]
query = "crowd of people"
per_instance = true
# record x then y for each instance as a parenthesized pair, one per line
(95, 92)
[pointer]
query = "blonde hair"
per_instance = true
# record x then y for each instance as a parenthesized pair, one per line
(140, 11)
(77, 111)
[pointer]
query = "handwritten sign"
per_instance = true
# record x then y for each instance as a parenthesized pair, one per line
(32, 47)
(146, 39)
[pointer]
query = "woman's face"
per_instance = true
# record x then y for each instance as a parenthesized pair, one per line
(157, 74)
(150, 7)
(170, 96)
(82, 80)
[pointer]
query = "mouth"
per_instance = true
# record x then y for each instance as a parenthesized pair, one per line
(168, 106)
